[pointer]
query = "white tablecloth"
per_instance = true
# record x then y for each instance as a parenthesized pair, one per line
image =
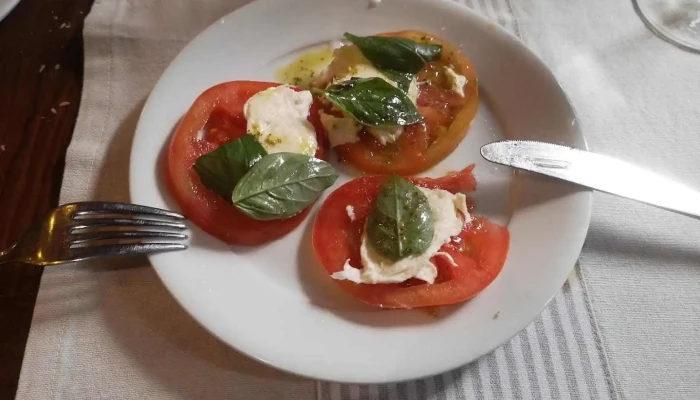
(624, 325)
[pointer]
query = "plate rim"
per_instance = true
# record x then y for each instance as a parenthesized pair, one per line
(585, 209)
(6, 9)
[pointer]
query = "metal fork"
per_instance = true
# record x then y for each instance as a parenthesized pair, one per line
(79, 231)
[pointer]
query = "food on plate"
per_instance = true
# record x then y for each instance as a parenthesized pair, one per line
(394, 242)
(247, 161)
(396, 102)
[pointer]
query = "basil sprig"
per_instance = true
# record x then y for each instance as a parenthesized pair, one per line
(282, 185)
(401, 222)
(264, 186)
(395, 53)
(221, 169)
(373, 102)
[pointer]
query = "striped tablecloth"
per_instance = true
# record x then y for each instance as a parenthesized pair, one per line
(558, 356)
(112, 331)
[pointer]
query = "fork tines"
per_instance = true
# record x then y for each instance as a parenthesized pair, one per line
(108, 250)
(113, 208)
(120, 228)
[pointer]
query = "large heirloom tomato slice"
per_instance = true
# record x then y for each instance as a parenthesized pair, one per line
(479, 251)
(216, 117)
(447, 117)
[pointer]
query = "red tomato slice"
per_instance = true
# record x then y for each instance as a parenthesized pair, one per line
(216, 117)
(447, 117)
(480, 249)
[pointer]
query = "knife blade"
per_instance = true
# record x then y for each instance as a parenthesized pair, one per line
(596, 171)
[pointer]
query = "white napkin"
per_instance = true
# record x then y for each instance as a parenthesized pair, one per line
(110, 329)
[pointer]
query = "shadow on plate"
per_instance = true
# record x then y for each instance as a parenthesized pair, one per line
(532, 190)
(488, 200)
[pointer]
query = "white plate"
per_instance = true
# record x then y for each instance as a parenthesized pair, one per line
(273, 302)
(6, 6)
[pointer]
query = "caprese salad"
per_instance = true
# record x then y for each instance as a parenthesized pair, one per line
(395, 103)
(394, 242)
(248, 160)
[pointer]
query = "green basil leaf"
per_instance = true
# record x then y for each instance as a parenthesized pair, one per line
(221, 169)
(401, 222)
(394, 53)
(282, 185)
(402, 79)
(373, 102)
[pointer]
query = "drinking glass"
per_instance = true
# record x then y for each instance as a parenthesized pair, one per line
(676, 21)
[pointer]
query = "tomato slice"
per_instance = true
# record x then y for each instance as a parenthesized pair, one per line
(216, 117)
(480, 249)
(447, 117)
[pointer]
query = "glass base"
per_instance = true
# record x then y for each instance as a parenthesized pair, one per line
(676, 21)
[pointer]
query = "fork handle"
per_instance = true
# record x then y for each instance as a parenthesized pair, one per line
(5, 255)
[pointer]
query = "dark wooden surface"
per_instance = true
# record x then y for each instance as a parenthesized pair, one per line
(33, 142)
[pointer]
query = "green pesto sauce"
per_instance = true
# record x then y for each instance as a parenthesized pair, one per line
(304, 70)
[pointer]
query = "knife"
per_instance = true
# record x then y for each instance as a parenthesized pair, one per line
(596, 171)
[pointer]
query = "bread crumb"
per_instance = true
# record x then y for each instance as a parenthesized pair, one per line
(41, 69)
(64, 103)
(53, 110)
(2, 147)
(495, 316)
(58, 66)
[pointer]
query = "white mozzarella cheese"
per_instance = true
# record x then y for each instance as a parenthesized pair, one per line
(277, 117)
(449, 215)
